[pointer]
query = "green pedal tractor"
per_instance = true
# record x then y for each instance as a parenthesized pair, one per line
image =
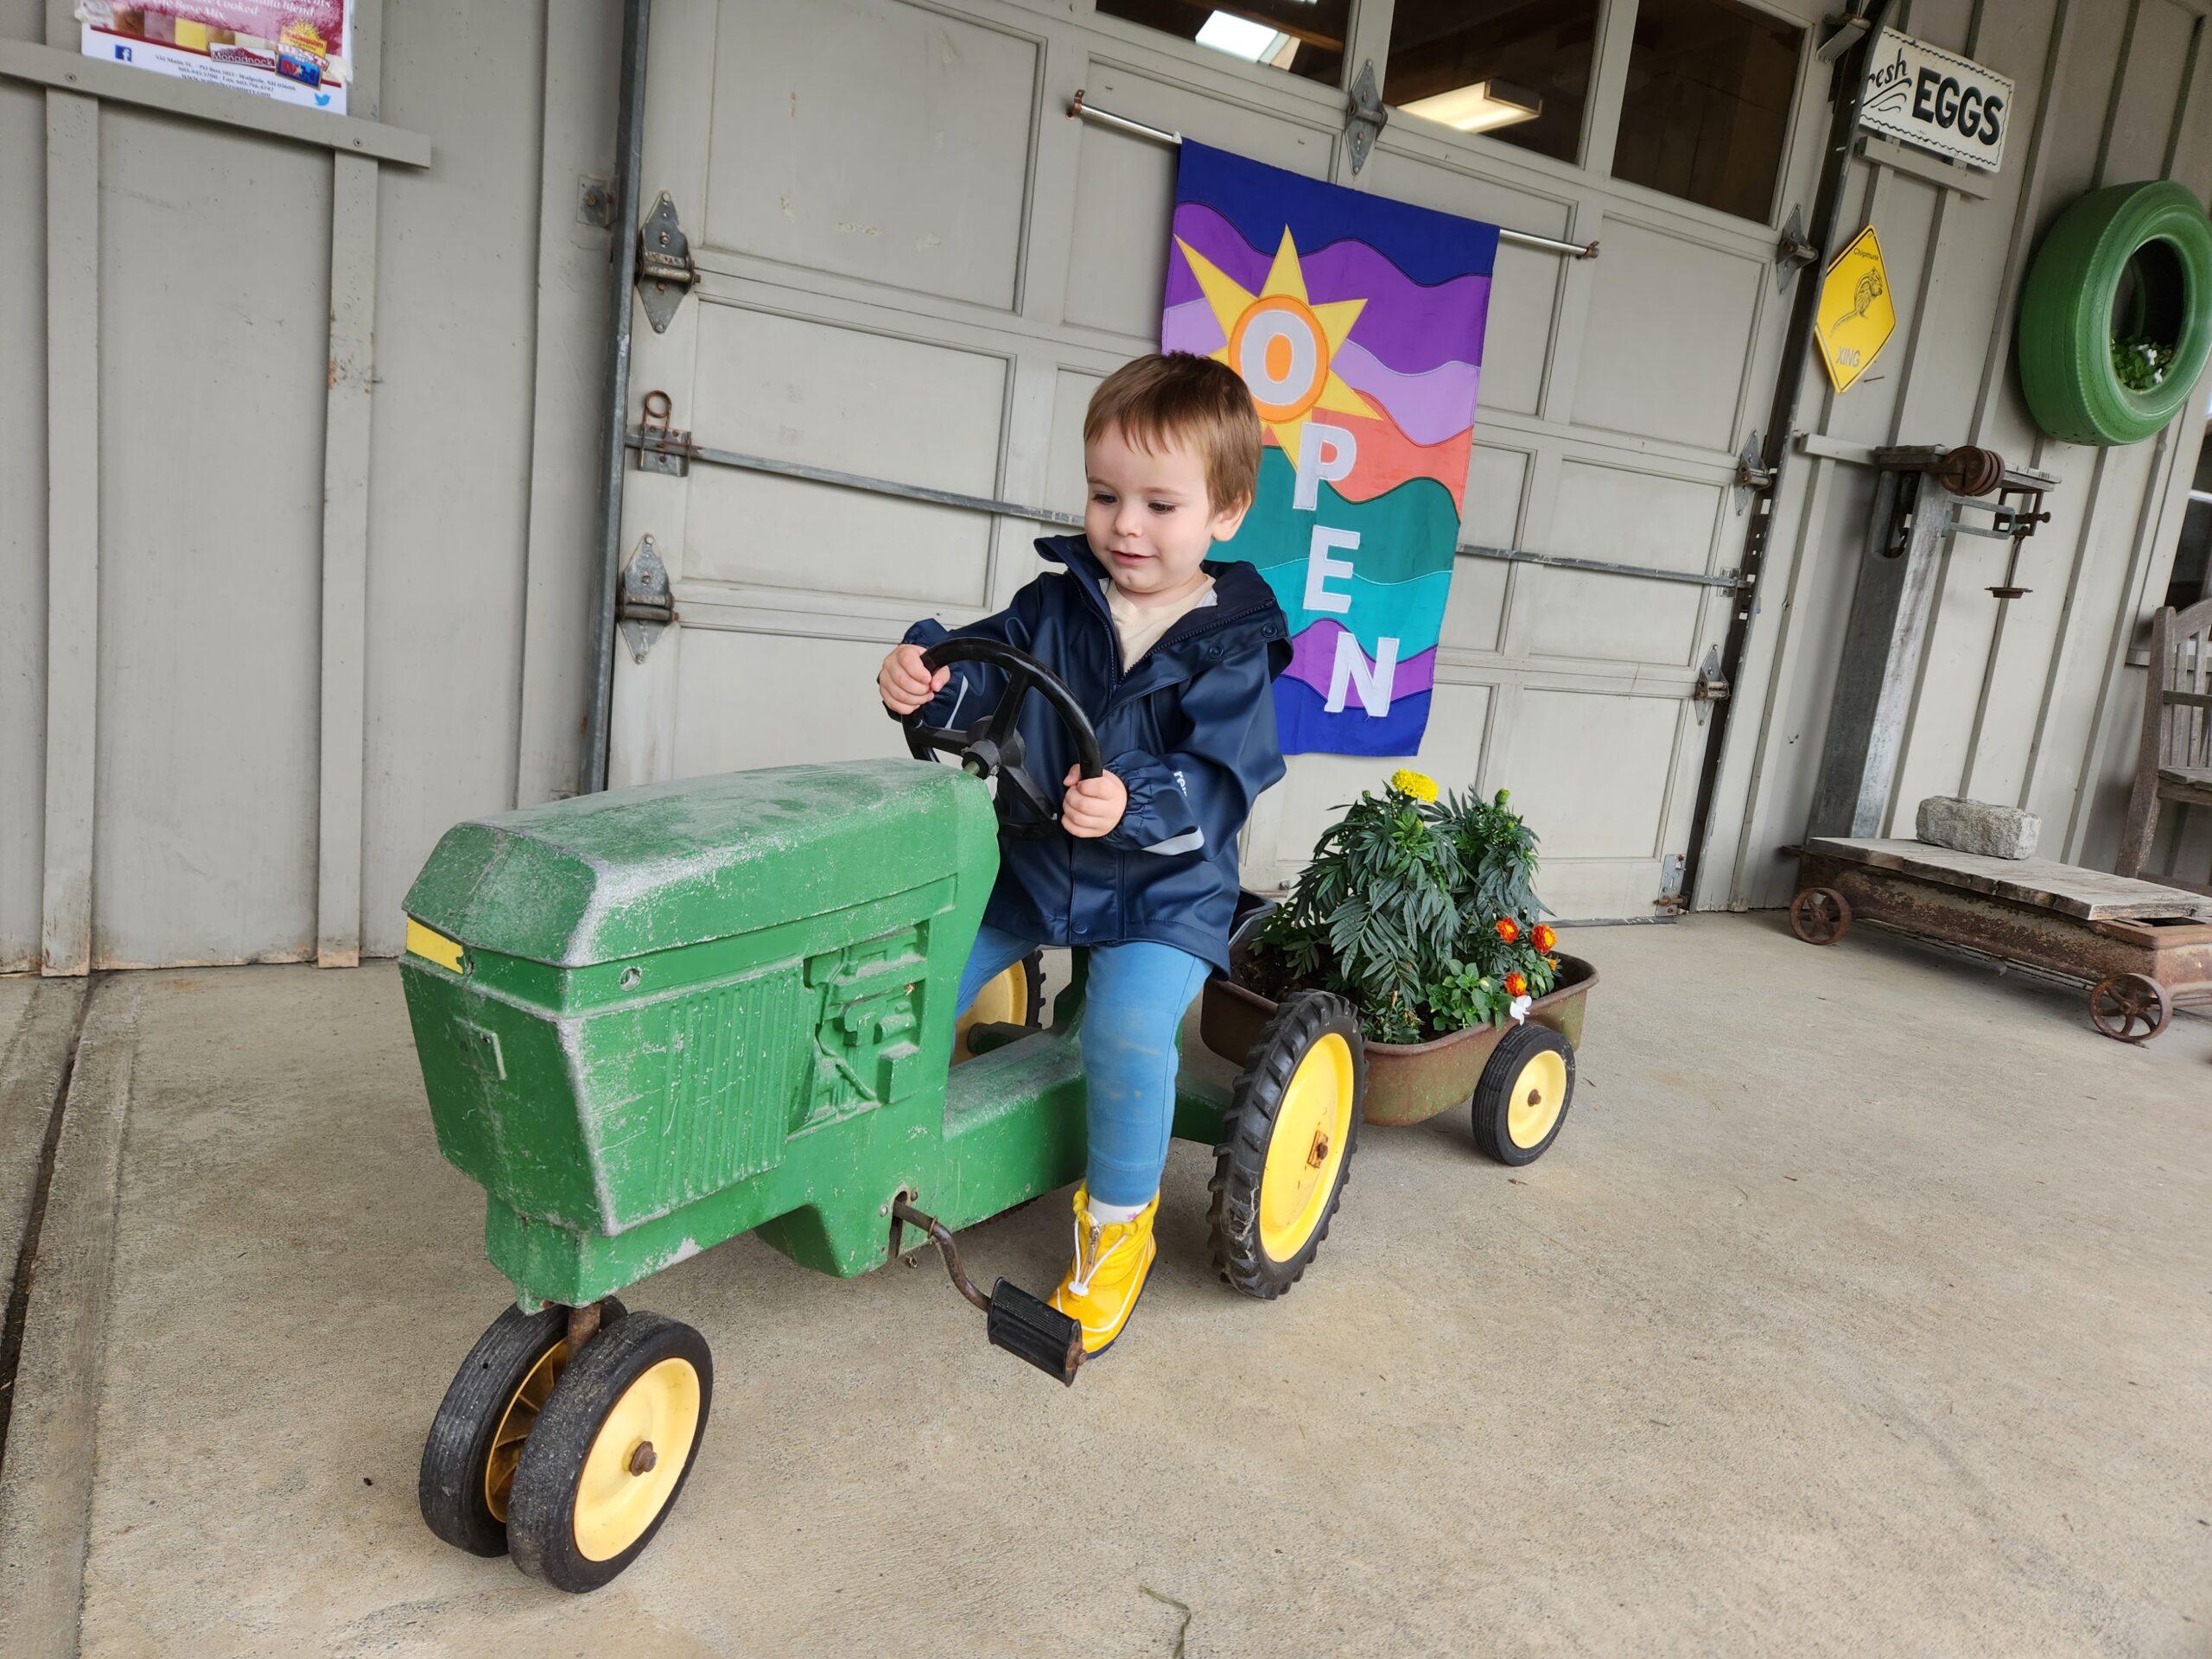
(654, 1020)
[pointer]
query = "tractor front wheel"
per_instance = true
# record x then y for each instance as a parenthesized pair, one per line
(1286, 1143)
(609, 1453)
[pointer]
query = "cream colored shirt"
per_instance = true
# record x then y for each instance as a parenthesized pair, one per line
(1142, 625)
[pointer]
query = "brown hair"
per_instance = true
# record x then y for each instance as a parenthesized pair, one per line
(1176, 397)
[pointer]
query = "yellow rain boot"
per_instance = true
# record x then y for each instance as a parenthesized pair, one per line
(1111, 1261)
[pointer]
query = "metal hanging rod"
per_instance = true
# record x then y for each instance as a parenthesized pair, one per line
(1078, 108)
(661, 450)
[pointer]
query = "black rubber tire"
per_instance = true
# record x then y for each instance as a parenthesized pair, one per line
(450, 1485)
(1494, 1092)
(541, 1515)
(2065, 331)
(1033, 977)
(1240, 1161)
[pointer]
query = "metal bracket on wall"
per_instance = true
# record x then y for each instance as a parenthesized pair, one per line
(644, 605)
(1751, 476)
(1793, 252)
(664, 270)
(1670, 884)
(1365, 116)
(660, 447)
(1711, 685)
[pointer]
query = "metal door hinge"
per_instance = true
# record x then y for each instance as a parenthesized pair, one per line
(664, 270)
(661, 448)
(644, 605)
(1670, 884)
(1711, 685)
(1365, 115)
(1752, 477)
(1793, 252)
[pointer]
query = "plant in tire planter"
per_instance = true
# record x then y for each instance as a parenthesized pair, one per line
(1423, 915)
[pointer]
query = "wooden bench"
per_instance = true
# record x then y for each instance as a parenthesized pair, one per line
(2175, 761)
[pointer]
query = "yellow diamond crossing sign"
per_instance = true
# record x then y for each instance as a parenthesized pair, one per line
(1856, 318)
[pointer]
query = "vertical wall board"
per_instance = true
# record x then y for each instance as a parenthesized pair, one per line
(448, 506)
(213, 328)
(584, 51)
(22, 503)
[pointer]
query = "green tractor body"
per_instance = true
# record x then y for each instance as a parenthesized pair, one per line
(652, 1019)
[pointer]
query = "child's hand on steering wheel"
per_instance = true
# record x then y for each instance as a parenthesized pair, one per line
(904, 681)
(1092, 805)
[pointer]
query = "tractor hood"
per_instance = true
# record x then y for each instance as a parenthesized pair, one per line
(606, 877)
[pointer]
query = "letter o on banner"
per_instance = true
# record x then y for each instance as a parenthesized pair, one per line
(2153, 240)
(1279, 348)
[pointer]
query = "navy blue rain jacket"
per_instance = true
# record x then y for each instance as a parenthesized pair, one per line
(1190, 730)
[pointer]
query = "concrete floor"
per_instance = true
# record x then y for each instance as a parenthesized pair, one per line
(1865, 1306)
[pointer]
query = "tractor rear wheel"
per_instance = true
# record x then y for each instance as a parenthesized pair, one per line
(610, 1452)
(1016, 997)
(1286, 1143)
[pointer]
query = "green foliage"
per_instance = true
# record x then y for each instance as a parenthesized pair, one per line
(1399, 910)
(2140, 364)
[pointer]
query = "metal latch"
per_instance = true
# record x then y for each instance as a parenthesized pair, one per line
(664, 270)
(661, 448)
(1364, 116)
(1711, 685)
(644, 605)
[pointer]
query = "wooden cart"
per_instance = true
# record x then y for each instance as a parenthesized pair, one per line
(2144, 950)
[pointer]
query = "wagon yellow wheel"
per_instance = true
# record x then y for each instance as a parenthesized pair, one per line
(1016, 997)
(1287, 1142)
(1521, 1098)
(484, 1422)
(609, 1453)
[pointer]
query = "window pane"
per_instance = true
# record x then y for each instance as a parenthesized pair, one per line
(1518, 70)
(1707, 109)
(1304, 36)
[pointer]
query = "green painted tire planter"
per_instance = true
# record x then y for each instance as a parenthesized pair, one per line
(2066, 311)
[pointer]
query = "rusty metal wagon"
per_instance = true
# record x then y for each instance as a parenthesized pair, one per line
(2142, 948)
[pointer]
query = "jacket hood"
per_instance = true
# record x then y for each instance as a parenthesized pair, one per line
(1245, 612)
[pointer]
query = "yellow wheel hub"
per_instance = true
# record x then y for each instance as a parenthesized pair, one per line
(1305, 1148)
(631, 1471)
(515, 1424)
(1005, 999)
(1538, 1094)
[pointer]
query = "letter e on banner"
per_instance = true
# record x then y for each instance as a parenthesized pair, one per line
(1320, 568)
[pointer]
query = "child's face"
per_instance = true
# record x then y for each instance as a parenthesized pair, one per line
(1148, 519)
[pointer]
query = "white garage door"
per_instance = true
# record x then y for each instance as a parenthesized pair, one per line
(913, 266)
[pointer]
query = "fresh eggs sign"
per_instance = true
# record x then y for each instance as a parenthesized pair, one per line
(1936, 100)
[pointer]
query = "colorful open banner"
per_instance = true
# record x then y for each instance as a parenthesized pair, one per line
(1357, 323)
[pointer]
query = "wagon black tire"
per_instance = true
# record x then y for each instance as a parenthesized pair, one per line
(1522, 1097)
(593, 1485)
(484, 1399)
(1265, 1236)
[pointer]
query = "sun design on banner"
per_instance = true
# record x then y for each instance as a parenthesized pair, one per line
(1282, 344)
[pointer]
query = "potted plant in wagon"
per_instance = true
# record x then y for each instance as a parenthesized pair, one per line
(1417, 919)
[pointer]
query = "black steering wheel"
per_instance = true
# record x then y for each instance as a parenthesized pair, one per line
(992, 747)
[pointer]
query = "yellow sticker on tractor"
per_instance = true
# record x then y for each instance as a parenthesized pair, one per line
(1855, 318)
(433, 946)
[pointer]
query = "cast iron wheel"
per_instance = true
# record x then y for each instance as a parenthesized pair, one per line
(1286, 1143)
(477, 1437)
(1820, 916)
(610, 1452)
(2130, 1007)
(1522, 1097)
(1016, 997)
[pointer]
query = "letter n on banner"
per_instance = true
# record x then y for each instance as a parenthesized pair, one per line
(1357, 323)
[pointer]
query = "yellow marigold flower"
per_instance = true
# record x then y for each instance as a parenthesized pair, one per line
(1419, 784)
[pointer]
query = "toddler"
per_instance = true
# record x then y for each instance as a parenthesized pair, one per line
(1170, 654)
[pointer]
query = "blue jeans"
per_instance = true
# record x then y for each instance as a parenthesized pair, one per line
(1133, 1000)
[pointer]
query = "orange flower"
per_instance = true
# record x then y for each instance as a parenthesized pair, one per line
(1516, 985)
(1551, 963)
(1508, 929)
(1544, 937)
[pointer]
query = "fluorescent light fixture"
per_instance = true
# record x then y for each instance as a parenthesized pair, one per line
(1482, 107)
(1241, 38)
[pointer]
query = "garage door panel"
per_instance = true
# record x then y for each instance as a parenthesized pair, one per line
(1497, 479)
(1667, 340)
(1318, 786)
(807, 701)
(859, 401)
(792, 533)
(1065, 485)
(918, 184)
(1474, 615)
(1588, 616)
(1591, 770)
